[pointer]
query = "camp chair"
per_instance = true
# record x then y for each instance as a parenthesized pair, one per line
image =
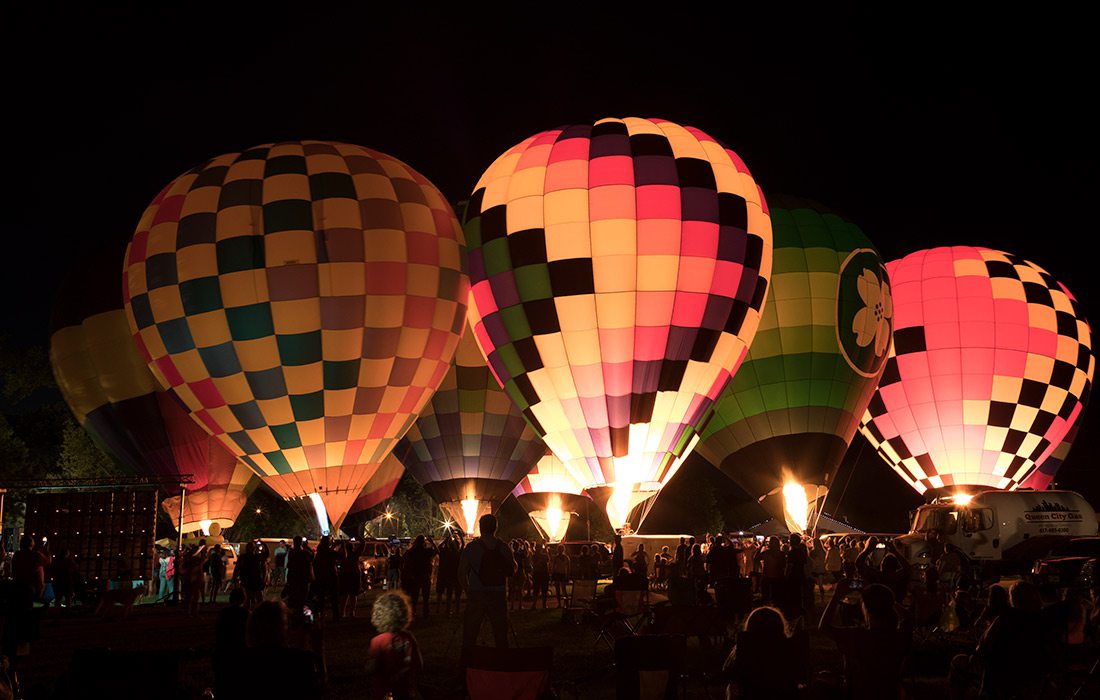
(647, 666)
(507, 674)
(629, 608)
(580, 601)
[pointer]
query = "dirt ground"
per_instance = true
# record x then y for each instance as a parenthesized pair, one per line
(156, 640)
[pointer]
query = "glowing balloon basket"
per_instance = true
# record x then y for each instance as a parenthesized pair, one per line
(466, 513)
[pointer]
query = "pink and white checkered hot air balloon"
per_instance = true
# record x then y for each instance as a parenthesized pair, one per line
(991, 366)
(618, 271)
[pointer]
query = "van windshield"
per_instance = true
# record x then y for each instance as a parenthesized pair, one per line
(936, 519)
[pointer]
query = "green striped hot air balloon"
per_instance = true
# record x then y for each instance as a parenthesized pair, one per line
(791, 410)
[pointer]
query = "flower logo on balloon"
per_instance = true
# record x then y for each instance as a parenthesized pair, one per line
(872, 322)
(864, 312)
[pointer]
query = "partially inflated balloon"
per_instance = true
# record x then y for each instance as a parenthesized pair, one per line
(793, 407)
(304, 300)
(618, 272)
(113, 395)
(470, 444)
(991, 364)
(550, 495)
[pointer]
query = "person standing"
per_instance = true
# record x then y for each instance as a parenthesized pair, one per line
(325, 579)
(559, 573)
(794, 574)
(417, 574)
(617, 554)
(393, 568)
(683, 551)
(540, 575)
(249, 574)
(28, 566)
(299, 574)
(278, 575)
(773, 565)
(66, 576)
(215, 569)
(351, 578)
(446, 577)
(483, 569)
(640, 562)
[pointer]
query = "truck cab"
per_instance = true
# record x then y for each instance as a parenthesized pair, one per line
(996, 526)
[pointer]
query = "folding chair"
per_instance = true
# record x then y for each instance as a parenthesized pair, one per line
(580, 601)
(647, 666)
(630, 606)
(507, 674)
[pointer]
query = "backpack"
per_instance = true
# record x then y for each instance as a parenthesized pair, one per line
(495, 568)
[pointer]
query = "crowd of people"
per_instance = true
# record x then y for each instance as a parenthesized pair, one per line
(861, 592)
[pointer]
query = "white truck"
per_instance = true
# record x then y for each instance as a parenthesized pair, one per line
(1001, 530)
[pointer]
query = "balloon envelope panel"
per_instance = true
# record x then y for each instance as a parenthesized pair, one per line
(796, 400)
(303, 299)
(991, 363)
(618, 271)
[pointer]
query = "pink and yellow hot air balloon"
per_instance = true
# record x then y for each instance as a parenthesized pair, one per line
(618, 273)
(304, 300)
(991, 363)
(551, 494)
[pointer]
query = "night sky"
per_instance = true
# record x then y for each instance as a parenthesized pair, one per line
(924, 129)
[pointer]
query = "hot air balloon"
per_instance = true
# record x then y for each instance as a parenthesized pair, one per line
(304, 300)
(550, 495)
(114, 396)
(991, 364)
(782, 426)
(618, 271)
(470, 444)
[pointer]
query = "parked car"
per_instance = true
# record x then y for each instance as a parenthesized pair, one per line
(1064, 566)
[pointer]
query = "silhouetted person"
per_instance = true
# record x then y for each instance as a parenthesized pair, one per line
(893, 571)
(587, 568)
(66, 577)
(325, 579)
(1022, 626)
(767, 663)
(617, 554)
(350, 577)
(483, 569)
(230, 638)
(875, 650)
(295, 672)
(299, 574)
(28, 566)
(393, 659)
(773, 566)
(446, 577)
(416, 578)
(249, 572)
(540, 575)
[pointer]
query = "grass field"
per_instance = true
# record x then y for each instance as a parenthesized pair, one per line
(581, 668)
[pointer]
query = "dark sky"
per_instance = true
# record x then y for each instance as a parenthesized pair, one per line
(925, 129)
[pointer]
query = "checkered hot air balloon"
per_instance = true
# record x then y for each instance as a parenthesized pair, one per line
(304, 300)
(470, 444)
(618, 272)
(551, 495)
(115, 397)
(991, 364)
(788, 416)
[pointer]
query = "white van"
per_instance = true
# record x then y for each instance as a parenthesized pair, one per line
(996, 526)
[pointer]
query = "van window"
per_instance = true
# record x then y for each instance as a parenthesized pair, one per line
(978, 519)
(938, 519)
